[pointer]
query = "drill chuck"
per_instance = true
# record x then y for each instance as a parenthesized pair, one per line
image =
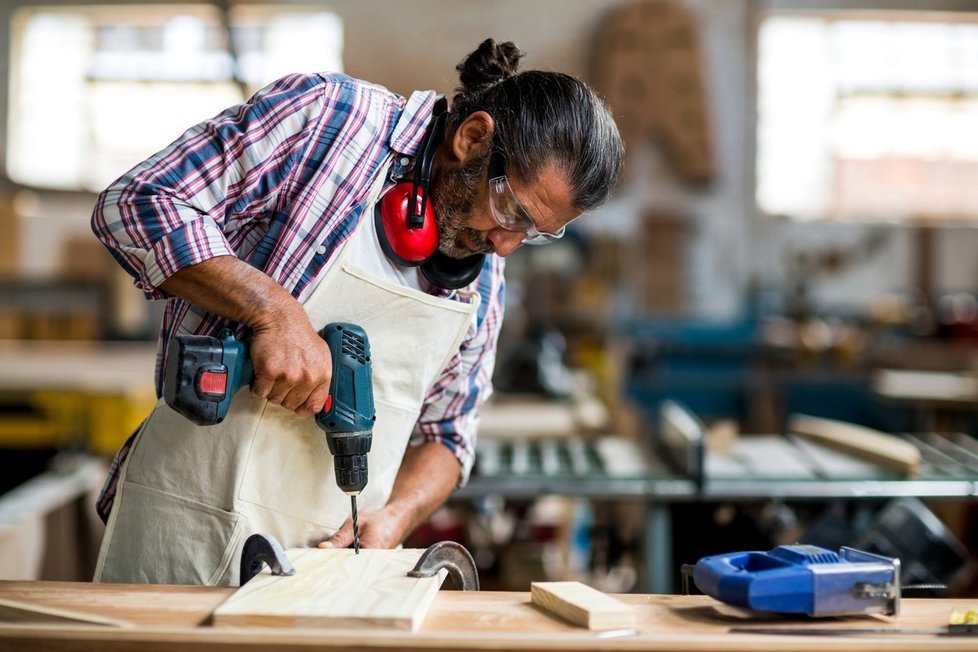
(349, 450)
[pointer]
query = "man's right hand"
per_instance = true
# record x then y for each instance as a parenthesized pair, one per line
(292, 364)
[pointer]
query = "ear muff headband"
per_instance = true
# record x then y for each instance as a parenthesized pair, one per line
(422, 171)
(406, 225)
(405, 217)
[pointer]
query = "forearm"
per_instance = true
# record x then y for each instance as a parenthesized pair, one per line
(424, 482)
(233, 289)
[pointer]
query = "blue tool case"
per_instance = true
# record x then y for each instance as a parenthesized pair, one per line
(803, 579)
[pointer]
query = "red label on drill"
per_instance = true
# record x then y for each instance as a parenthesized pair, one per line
(213, 382)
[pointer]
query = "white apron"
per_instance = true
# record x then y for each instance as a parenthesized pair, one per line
(188, 496)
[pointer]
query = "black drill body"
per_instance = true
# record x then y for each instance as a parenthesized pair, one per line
(203, 373)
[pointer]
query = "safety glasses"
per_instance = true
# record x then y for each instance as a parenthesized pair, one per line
(506, 208)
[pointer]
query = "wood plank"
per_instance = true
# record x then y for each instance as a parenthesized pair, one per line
(336, 589)
(14, 611)
(879, 447)
(145, 605)
(682, 436)
(582, 605)
(923, 386)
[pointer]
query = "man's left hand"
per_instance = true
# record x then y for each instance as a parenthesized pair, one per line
(377, 530)
(427, 476)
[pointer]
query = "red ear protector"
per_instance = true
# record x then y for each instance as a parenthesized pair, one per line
(406, 225)
(406, 218)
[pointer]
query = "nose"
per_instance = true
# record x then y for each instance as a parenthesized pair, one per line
(505, 242)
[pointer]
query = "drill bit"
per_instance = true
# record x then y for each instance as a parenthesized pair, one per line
(356, 527)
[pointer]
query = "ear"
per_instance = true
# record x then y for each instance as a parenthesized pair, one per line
(472, 137)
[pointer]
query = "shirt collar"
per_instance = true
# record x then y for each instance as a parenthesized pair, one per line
(409, 130)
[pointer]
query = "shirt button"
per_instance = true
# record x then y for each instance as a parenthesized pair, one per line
(405, 160)
(321, 250)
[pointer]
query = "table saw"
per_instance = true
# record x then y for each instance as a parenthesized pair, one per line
(677, 468)
(179, 617)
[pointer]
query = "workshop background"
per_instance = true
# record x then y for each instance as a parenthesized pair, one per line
(769, 335)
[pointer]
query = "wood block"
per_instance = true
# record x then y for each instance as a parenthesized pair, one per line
(868, 444)
(582, 605)
(335, 589)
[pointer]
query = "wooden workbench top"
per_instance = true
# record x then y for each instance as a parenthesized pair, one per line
(166, 618)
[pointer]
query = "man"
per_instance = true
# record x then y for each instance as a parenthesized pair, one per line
(268, 218)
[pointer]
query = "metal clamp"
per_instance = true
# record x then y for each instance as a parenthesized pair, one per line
(261, 549)
(452, 557)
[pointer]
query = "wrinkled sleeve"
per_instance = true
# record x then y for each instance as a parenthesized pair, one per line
(181, 206)
(450, 415)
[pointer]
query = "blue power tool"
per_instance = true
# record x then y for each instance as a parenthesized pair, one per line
(203, 374)
(802, 579)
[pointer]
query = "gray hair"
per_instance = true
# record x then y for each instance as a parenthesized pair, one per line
(542, 117)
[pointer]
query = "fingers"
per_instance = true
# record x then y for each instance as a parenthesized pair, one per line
(293, 395)
(292, 371)
(262, 386)
(343, 538)
(314, 403)
(377, 530)
(302, 402)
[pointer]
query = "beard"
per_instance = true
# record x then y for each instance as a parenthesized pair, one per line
(454, 198)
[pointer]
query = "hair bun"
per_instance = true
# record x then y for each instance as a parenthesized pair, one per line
(490, 63)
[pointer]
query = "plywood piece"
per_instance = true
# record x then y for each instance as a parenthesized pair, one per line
(884, 449)
(336, 589)
(582, 605)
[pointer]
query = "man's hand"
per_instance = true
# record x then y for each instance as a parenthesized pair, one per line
(292, 364)
(382, 529)
(426, 478)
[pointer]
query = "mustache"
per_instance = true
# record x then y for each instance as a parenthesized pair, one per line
(481, 243)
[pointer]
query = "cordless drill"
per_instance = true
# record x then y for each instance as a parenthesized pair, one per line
(203, 373)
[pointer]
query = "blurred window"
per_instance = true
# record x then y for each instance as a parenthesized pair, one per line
(868, 116)
(96, 89)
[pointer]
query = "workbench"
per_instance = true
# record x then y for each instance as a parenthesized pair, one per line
(165, 618)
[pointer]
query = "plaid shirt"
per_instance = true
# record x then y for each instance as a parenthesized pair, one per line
(280, 182)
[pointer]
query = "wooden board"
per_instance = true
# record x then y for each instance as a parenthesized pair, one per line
(336, 589)
(15, 611)
(582, 605)
(682, 436)
(923, 386)
(879, 447)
